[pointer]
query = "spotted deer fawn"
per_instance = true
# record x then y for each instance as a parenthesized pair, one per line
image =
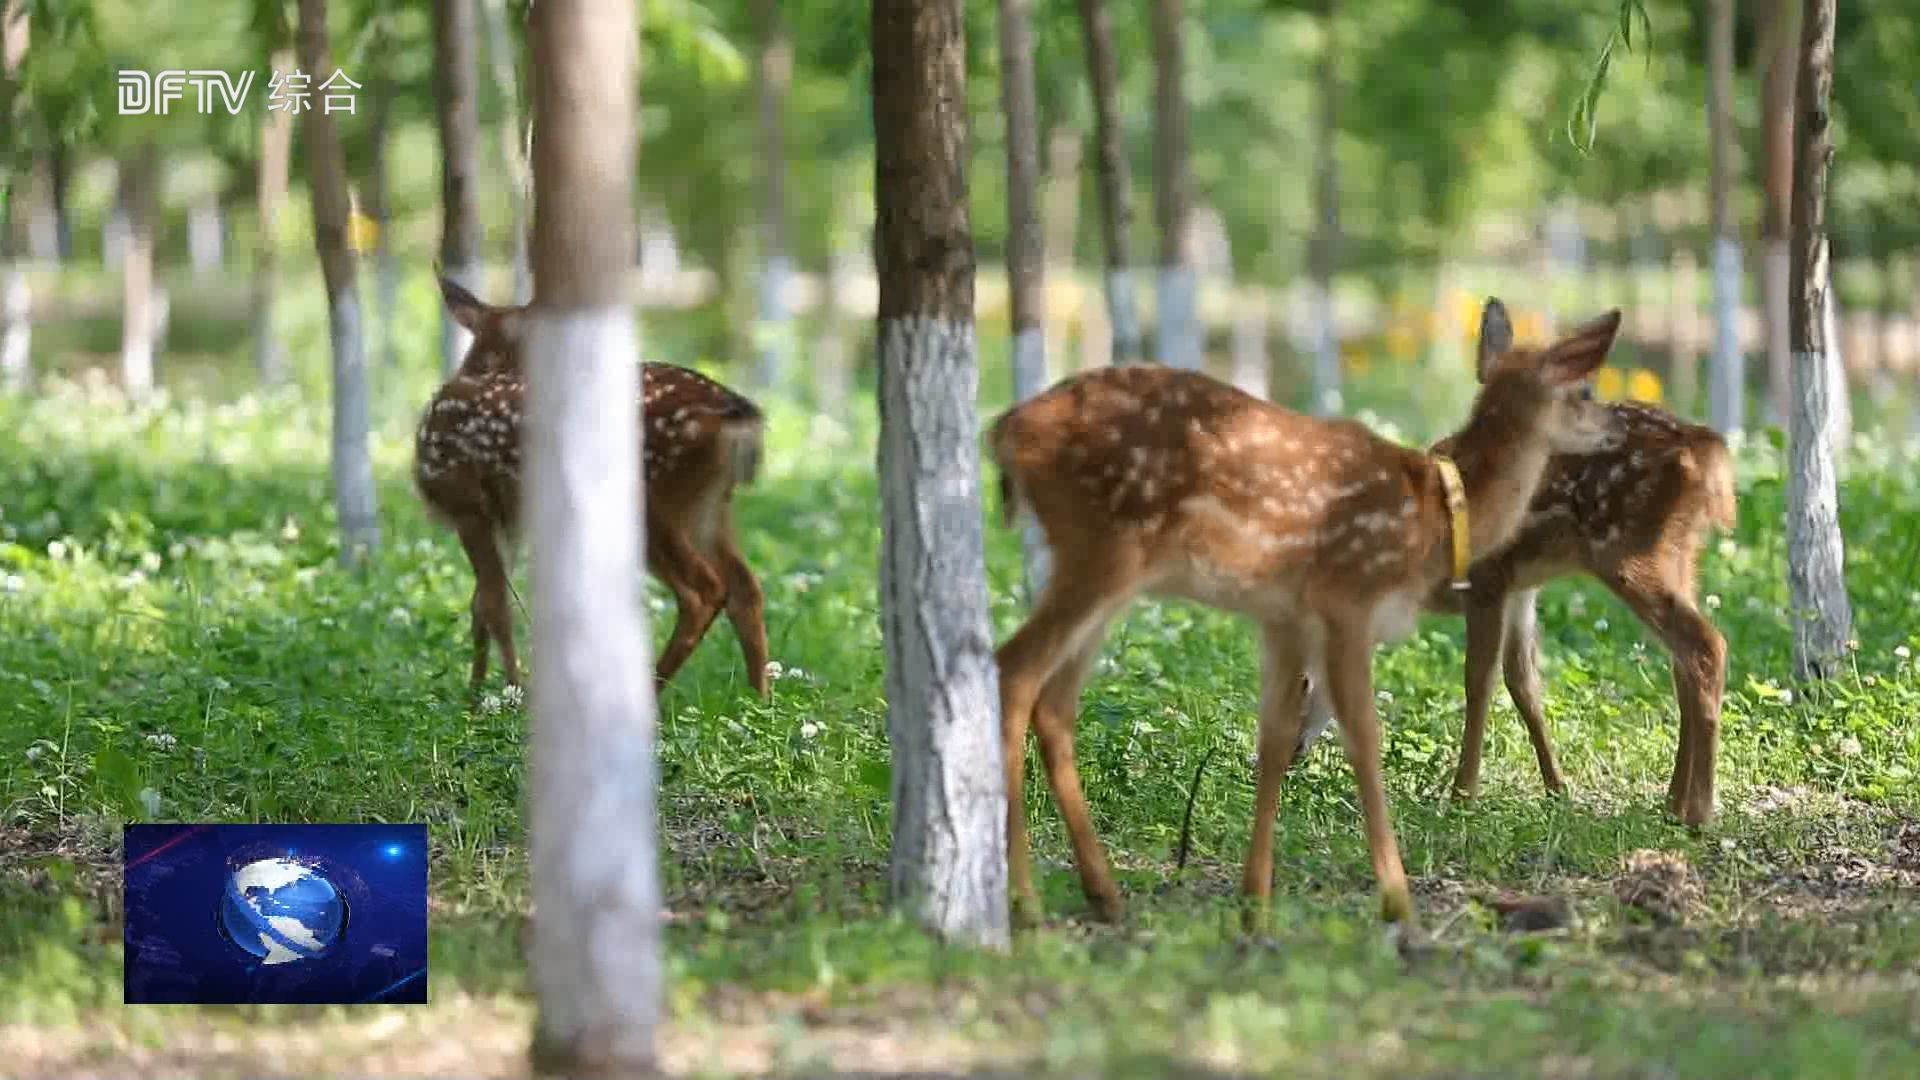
(699, 440)
(1150, 480)
(1635, 516)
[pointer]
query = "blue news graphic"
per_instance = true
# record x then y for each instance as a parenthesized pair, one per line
(276, 914)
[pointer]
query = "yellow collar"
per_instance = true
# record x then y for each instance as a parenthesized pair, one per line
(1457, 512)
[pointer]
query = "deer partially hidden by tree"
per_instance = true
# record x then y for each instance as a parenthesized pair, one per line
(1171, 483)
(700, 441)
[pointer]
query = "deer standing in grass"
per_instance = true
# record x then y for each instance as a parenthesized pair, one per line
(1150, 480)
(1635, 516)
(699, 440)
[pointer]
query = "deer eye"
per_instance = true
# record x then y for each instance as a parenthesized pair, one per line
(1585, 393)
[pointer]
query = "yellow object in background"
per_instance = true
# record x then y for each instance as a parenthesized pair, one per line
(1607, 384)
(363, 233)
(1644, 385)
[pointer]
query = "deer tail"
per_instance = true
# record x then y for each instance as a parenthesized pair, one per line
(743, 442)
(1716, 474)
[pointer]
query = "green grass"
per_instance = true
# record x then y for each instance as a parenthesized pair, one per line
(177, 643)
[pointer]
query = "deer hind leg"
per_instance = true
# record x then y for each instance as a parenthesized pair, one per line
(1349, 666)
(1047, 658)
(1664, 601)
(1283, 718)
(1486, 629)
(1521, 663)
(745, 605)
(492, 615)
(698, 592)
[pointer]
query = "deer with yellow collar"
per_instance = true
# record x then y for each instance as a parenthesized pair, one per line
(1155, 481)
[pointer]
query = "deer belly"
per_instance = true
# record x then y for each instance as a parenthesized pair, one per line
(1395, 616)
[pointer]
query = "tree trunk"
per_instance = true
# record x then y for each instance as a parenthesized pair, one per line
(60, 172)
(1726, 397)
(456, 98)
(16, 297)
(1325, 254)
(205, 237)
(513, 140)
(276, 153)
(1061, 222)
(1840, 415)
(139, 317)
(1782, 54)
(1251, 370)
(949, 801)
(1683, 290)
(1116, 183)
(596, 961)
(1822, 616)
(1026, 250)
(1176, 313)
(353, 490)
(377, 202)
(772, 78)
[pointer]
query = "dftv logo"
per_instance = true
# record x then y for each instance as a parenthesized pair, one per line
(142, 93)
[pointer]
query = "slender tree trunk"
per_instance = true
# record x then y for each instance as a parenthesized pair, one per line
(205, 237)
(596, 959)
(140, 318)
(1176, 314)
(1325, 254)
(1061, 221)
(1683, 292)
(513, 140)
(1727, 398)
(1116, 182)
(772, 78)
(276, 154)
(1822, 616)
(377, 201)
(832, 353)
(60, 171)
(456, 79)
(1026, 250)
(16, 296)
(1840, 414)
(949, 801)
(353, 490)
(1251, 367)
(1782, 54)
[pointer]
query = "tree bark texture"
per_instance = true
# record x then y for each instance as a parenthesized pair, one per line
(456, 100)
(1176, 312)
(949, 806)
(596, 961)
(513, 143)
(353, 487)
(1822, 615)
(378, 200)
(1782, 42)
(1116, 182)
(1726, 393)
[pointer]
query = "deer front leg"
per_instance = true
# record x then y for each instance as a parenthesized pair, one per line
(1521, 664)
(1349, 665)
(1486, 627)
(1283, 687)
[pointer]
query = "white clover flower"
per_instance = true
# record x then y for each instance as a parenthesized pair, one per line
(36, 752)
(400, 617)
(176, 551)
(1903, 652)
(150, 801)
(56, 550)
(1850, 747)
(809, 729)
(513, 697)
(775, 669)
(290, 531)
(150, 561)
(1729, 547)
(1713, 601)
(12, 583)
(1786, 697)
(162, 741)
(1385, 696)
(221, 684)
(1600, 626)
(489, 704)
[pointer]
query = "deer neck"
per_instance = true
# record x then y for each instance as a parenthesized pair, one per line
(1501, 455)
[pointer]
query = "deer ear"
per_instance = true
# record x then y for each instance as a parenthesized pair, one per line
(1575, 356)
(466, 308)
(1496, 336)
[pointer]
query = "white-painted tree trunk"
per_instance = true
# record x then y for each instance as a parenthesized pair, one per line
(1777, 280)
(833, 352)
(949, 802)
(205, 237)
(1327, 397)
(16, 330)
(1177, 318)
(1821, 614)
(113, 239)
(137, 315)
(1840, 412)
(1029, 378)
(455, 339)
(1727, 398)
(774, 335)
(596, 890)
(1123, 315)
(353, 491)
(1250, 365)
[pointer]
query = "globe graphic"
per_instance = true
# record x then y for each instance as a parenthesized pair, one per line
(282, 911)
